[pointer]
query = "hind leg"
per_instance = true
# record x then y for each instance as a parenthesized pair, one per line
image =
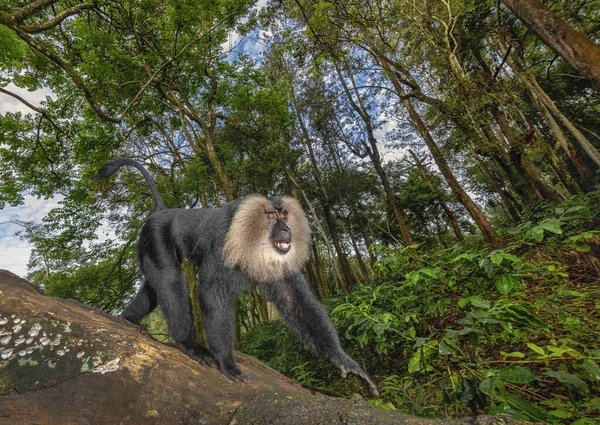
(142, 304)
(172, 291)
(219, 288)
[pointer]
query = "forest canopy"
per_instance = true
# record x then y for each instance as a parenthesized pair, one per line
(445, 151)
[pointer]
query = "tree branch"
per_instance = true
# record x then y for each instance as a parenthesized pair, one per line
(37, 28)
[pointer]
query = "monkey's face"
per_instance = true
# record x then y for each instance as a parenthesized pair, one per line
(280, 235)
(259, 239)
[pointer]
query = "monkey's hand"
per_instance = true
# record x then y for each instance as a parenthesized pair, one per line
(347, 365)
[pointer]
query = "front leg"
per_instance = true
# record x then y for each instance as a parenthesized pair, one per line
(307, 318)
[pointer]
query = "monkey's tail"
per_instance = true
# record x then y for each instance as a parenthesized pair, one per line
(112, 166)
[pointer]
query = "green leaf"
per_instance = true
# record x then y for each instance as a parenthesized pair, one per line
(506, 283)
(415, 363)
(536, 348)
(484, 304)
(475, 300)
(486, 265)
(560, 414)
(591, 367)
(498, 256)
(538, 233)
(567, 378)
(581, 246)
(465, 256)
(594, 403)
(517, 354)
(517, 375)
(428, 272)
(489, 385)
(444, 349)
(553, 226)
(523, 406)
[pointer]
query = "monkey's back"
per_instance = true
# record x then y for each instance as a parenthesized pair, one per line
(183, 233)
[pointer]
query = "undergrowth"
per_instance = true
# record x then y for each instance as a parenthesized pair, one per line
(512, 329)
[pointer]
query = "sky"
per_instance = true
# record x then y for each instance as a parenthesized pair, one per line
(14, 253)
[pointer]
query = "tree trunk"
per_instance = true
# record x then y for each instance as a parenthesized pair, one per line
(573, 46)
(547, 109)
(487, 230)
(515, 153)
(323, 236)
(316, 259)
(359, 259)
(348, 278)
(587, 146)
(511, 206)
(373, 150)
(215, 161)
(451, 217)
(191, 277)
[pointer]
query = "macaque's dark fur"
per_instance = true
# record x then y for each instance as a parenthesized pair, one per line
(222, 242)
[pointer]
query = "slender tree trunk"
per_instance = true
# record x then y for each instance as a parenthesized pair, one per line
(487, 230)
(543, 98)
(366, 234)
(438, 195)
(511, 206)
(335, 264)
(390, 197)
(359, 259)
(190, 272)
(561, 171)
(515, 153)
(316, 259)
(202, 192)
(373, 150)
(215, 161)
(348, 278)
(216, 193)
(261, 304)
(573, 46)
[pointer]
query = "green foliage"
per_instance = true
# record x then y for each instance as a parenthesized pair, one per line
(13, 49)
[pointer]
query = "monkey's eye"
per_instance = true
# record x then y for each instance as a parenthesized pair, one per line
(283, 215)
(272, 216)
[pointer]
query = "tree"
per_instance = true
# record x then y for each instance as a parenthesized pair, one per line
(572, 45)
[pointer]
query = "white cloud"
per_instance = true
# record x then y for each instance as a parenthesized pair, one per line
(14, 252)
(11, 104)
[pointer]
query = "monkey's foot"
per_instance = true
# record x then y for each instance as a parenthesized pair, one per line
(198, 353)
(234, 373)
(140, 328)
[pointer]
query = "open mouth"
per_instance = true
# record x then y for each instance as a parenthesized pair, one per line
(283, 246)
